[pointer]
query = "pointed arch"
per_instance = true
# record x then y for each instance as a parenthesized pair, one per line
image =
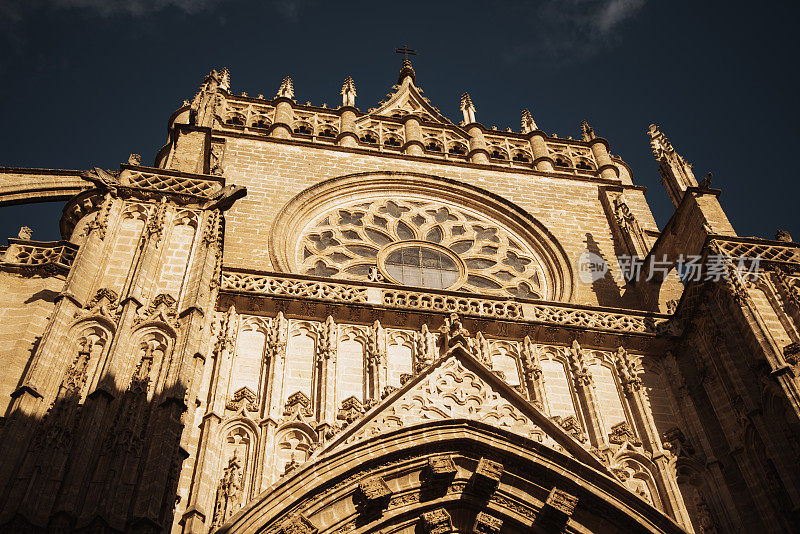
(235, 470)
(294, 443)
(400, 346)
(322, 489)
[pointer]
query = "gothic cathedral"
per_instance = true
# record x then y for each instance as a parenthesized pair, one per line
(308, 320)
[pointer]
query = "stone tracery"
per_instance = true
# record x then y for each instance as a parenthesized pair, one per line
(347, 242)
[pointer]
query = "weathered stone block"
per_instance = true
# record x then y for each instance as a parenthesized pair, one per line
(487, 476)
(437, 522)
(487, 524)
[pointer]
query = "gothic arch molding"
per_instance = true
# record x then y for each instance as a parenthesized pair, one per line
(100, 320)
(311, 203)
(328, 486)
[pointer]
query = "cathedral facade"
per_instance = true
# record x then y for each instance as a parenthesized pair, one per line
(308, 320)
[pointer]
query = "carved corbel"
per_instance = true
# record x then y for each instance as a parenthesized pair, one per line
(372, 495)
(437, 522)
(440, 471)
(558, 508)
(487, 524)
(487, 476)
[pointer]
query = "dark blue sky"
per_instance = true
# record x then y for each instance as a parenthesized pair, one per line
(86, 82)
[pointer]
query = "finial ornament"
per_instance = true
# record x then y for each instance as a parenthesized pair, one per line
(406, 71)
(783, 235)
(349, 92)
(467, 109)
(587, 131)
(25, 233)
(528, 124)
(225, 79)
(286, 89)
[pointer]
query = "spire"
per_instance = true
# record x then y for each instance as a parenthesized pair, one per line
(587, 132)
(528, 124)
(349, 92)
(659, 143)
(225, 79)
(467, 109)
(286, 89)
(676, 172)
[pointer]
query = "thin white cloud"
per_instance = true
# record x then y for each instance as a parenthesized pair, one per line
(614, 12)
(15, 10)
(575, 28)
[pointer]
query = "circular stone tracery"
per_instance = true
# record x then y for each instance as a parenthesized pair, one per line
(418, 263)
(464, 249)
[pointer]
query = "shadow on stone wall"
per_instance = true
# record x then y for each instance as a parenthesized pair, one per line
(107, 463)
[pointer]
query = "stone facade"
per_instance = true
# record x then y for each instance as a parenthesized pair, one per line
(314, 320)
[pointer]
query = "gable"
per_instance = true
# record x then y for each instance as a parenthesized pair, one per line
(407, 100)
(457, 386)
(452, 392)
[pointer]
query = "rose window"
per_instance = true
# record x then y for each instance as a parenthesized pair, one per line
(420, 243)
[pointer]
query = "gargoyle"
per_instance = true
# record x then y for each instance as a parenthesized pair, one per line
(225, 198)
(101, 178)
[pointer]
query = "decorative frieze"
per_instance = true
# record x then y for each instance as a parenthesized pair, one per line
(755, 248)
(288, 287)
(352, 292)
(446, 303)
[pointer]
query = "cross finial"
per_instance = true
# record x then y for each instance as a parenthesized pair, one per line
(405, 50)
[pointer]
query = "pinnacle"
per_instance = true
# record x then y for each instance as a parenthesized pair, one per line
(587, 131)
(528, 124)
(286, 89)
